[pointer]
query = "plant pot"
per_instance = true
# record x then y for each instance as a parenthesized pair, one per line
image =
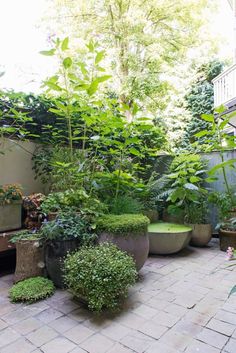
(227, 238)
(55, 252)
(136, 245)
(10, 216)
(168, 238)
(153, 215)
(29, 259)
(201, 234)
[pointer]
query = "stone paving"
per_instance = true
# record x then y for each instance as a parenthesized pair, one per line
(180, 304)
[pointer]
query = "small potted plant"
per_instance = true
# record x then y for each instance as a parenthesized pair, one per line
(29, 255)
(128, 232)
(196, 216)
(227, 234)
(10, 207)
(65, 234)
(100, 276)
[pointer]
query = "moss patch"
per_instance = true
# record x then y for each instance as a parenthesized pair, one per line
(123, 224)
(162, 227)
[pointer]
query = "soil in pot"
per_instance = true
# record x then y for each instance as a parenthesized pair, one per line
(201, 234)
(168, 238)
(55, 252)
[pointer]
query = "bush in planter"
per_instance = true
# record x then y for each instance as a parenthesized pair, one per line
(128, 232)
(31, 290)
(64, 234)
(100, 276)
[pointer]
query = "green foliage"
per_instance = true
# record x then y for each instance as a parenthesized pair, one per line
(24, 235)
(31, 290)
(68, 225)
(223, 203)
(200, 100)
(10, 193)
(100, 275)
(123, 224)
(125, 205)
(182, 186)
(229, 224)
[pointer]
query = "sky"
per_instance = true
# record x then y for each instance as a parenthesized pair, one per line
(22, 37)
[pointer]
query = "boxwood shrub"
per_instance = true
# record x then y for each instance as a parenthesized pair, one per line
(123, 224)
(32, 289)
(100, 276)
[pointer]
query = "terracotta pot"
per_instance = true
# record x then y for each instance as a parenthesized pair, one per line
(10, 216)
(136, 245)
(201, 234)
(227, 238)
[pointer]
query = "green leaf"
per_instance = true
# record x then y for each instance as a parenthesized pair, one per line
(194, 179)
(202, 133)
(134, 151)
(48, 52)
(92, 88)
(100, 55)
(190, 186)
(103, 78)
(233, 290)
(67, 62)
(64, 44)
(230, 162)
(208, 117)
(53, 86)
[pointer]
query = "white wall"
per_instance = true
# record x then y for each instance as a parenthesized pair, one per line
(16, 165)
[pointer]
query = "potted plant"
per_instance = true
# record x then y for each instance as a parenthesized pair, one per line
(65, 234)
(100, 276)
(197, 217)
(29, 255)
(128, 232)
(10, 207)
(227, 234)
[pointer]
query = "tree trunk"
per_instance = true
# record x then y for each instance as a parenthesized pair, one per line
(29, 260)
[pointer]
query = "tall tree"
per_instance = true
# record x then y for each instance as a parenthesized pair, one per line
(142, 39)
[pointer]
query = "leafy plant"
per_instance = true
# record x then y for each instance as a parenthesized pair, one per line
(100, 276)
(31, 290)
(25, 235)
(125, 204)
(123, 224)
(68, 225)
(10, 193)
(229, 225)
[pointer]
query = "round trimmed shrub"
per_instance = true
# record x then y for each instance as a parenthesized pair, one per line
(123, 224)
(100, 276)
(31, 290)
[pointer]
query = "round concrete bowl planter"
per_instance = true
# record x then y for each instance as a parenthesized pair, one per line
(128, 232)
(168, 238)
(201, 234)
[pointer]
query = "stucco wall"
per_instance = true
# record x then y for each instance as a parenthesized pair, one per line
(16, 165)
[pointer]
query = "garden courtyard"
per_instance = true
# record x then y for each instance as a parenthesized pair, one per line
(179, 304)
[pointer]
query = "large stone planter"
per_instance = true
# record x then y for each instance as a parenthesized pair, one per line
(227, 238)
(10, 216)
(29, 259)
(168, 238)
(55, 252)
(136, 245)
(201, 234)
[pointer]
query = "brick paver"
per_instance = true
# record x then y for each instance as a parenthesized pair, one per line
(180, 304)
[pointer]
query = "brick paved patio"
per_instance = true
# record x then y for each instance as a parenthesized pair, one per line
(179, 305)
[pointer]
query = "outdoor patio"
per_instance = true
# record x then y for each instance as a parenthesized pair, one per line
(180, 304)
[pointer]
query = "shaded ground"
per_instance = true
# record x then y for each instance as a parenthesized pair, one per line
(180, 304)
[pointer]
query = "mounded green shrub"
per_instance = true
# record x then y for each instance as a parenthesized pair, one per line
(123, 224)
(32, 289)
(100, 275)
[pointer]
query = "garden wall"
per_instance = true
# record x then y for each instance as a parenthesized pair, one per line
(16, 165)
